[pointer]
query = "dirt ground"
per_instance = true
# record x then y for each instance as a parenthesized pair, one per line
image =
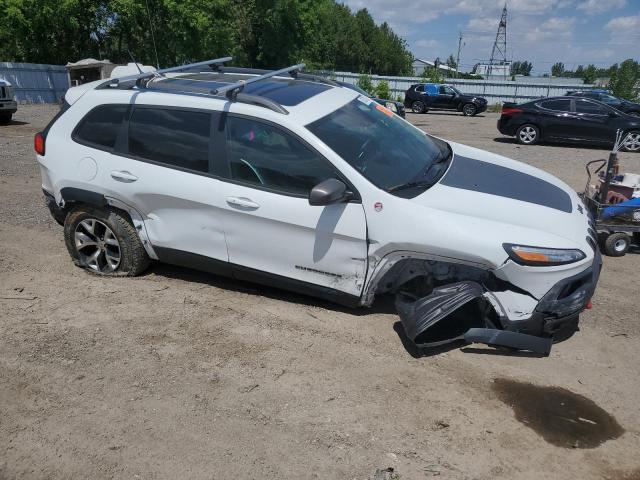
(179, 374)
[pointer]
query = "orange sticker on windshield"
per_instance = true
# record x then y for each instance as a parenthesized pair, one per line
(384, 110)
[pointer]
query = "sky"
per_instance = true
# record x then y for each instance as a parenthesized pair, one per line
(543, 32)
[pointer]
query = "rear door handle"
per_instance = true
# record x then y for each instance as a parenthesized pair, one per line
(242, 202)
(123, 176)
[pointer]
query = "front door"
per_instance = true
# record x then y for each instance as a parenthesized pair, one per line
(444, 98)
(270, 226)
(595, 123)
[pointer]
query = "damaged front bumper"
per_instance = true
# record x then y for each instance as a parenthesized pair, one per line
(449, 313)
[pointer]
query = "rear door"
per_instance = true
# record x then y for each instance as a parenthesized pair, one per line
(162, 166)
(445, 97)
(556, 118)
(270, 227)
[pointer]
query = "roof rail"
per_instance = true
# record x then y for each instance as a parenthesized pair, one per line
(233, 89)
(115, 82)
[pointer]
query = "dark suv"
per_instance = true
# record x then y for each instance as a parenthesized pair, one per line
(625, 106)
(422, 97)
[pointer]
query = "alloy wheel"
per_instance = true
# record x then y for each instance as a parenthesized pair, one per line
(528, 134)
(97, 245)
(620, 245)
(632, 142)
(469, 110)
(417, 107)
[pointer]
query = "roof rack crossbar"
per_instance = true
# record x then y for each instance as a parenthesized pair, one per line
(232, 89)
(259, 71)
(155, 73)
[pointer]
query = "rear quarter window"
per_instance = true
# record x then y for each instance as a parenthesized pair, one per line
(100, 127)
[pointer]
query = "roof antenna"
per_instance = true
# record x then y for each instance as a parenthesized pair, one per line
(153, 37)
(134, 61)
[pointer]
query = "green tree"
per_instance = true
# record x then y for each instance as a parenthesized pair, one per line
(557, 69)
(364, 82)
(590, 74)
(451, 62)
(324, 34)
(382, 90)
(521, 68)
(624, 79)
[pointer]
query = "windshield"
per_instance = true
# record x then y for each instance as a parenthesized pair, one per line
(356, 88)
(610, 99)
(385, 149)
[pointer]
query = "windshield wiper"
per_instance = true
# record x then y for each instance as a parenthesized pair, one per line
(405, 186)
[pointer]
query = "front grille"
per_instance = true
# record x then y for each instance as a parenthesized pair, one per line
(3, 92)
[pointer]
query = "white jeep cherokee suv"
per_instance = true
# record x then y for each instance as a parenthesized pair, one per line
(291, 180)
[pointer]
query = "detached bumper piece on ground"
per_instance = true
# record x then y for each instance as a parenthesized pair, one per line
(458, 312)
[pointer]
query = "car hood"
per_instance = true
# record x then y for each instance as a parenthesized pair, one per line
(508, 199)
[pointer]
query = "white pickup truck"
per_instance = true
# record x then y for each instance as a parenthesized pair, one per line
(8, 106)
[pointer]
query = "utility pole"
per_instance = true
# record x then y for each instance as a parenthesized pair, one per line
(458, 56)
(499, 52)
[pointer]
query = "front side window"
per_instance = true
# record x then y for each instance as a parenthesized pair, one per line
(101, 126)
(445, 90)
(177, 138)
(264, 155)
(386, 150)
(592, 108)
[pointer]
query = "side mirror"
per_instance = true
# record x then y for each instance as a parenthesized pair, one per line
(328, 192)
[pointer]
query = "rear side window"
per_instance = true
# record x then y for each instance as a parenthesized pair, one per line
(100, 126)
(560, 105)
(420, 88)
(178, 138)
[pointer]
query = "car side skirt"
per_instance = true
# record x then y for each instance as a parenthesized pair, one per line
(240, 272)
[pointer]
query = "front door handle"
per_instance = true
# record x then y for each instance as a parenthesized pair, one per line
(123, 176)
(242, 202)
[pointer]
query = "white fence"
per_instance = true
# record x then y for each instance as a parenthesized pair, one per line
(495, 91)
(36, 83)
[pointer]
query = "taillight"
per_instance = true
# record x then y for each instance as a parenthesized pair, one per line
(38, 143)
(510, 111)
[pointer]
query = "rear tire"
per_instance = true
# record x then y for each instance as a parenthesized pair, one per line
(469, 110)
(5, 119)
(418, 107)
(528, 134)
(104, 242)
(617, 244)
(632, 142)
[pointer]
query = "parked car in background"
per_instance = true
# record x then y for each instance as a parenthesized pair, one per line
(568, 119)
(395, 107)
(8, 106)
(605, 96)
(422, 97)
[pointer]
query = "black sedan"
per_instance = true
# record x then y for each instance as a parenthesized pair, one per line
(568, 119)
(395, 107)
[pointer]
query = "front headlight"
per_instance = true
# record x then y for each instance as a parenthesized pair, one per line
(542, 257)
(391, 106)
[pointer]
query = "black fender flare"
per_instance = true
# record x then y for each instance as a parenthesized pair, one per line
(72, 194)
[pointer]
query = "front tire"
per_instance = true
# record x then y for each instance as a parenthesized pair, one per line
(617, 244)
(5, 119)
(631, 142)
(528, 134)
(418, 107)
(469, 110)
(104, 242)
